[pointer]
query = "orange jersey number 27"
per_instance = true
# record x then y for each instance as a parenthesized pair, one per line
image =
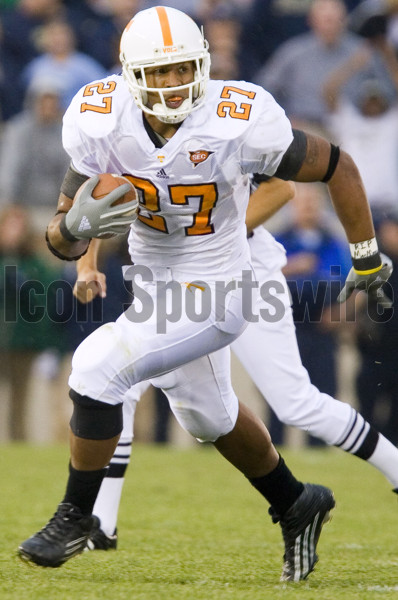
(148, 193)
(100, 88)
(231, 108)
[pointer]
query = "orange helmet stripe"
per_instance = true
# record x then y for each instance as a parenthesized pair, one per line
(165, 26)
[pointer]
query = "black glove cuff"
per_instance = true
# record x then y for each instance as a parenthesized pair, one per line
(370, 263)
(65, 231)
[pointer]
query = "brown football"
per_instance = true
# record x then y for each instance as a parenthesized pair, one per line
(109, 182)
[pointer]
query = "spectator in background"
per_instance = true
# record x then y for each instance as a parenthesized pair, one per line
(98, 26)
(61, 63)
(26, 303)
(7, 3)
(367, 17)
(223, 67)
(313, 248)
(267, 25)
(20, 25)
(295, 73)
(365, 122)
(376, 335)
(203, 11)
(222, 25)
(193, 8)
(32, 159)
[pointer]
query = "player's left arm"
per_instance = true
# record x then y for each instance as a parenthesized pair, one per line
(65, 238)
(57, 243)
(90, 281)
(312, 158)
(266, 200)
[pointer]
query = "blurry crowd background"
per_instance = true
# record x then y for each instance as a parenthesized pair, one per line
(333, 67)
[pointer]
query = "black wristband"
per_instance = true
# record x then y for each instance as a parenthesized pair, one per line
(62, 256)
(365, 256)
(370, 263)
(65, 231)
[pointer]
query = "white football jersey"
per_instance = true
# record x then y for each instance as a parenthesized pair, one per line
(194, 190)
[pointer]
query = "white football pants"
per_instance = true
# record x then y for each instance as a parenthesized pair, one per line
(268, 351)
(119, 355)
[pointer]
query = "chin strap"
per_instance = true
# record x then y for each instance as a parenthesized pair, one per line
(166, 115)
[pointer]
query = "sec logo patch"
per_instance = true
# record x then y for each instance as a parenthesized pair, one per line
(199, 156)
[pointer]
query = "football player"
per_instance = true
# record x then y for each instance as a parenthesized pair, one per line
(277, 370)
(188, 145)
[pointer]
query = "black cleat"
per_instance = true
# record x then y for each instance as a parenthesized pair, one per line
(98, 540)
(64, 536)
(301, 527)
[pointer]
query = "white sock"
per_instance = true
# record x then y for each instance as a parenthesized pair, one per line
(385, 459)
(106, 506)
(365, 442)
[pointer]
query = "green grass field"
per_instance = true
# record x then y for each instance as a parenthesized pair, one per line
(192, 528)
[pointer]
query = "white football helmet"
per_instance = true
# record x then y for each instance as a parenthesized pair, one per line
(159, 36)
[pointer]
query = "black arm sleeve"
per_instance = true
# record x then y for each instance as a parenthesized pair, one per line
(294, 157)
(72, 181)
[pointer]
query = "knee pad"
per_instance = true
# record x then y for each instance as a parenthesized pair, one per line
(95, 420)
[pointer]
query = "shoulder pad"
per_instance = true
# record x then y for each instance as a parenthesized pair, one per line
(95, 109)
(235, 106)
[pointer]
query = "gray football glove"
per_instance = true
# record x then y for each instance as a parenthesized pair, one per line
(372, 283)
(94, 218)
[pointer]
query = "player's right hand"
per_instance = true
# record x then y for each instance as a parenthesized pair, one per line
(89, 284)
(95, 217)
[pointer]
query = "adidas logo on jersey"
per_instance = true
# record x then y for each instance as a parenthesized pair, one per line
(162, 174)
(84, 224)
